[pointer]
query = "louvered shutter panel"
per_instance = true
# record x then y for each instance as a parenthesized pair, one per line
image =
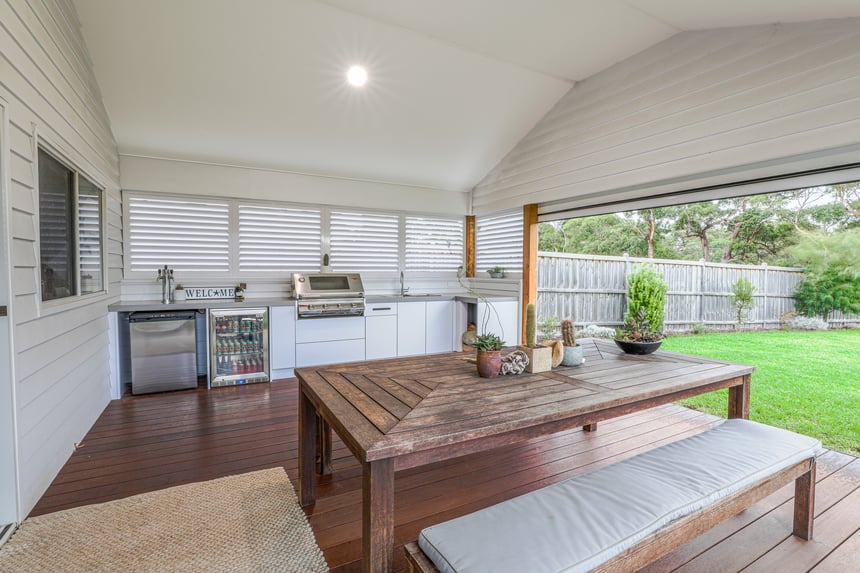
(188, 235)
(499, 241)
(279, 239)
(89, 235)
(364, 242)
(433, 244)
(56, 227)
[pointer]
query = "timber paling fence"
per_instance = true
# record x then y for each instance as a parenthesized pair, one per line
(592, 289)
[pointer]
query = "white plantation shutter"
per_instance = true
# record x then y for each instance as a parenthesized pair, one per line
(433, 244)
(188, 235)
(364, 242)
(279, 239)
(89, 235)
(499, 241)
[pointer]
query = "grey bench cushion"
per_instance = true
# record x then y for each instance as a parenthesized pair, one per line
(576, 525)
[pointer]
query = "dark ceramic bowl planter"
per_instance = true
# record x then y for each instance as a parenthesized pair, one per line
(631, 347)
(489, 363)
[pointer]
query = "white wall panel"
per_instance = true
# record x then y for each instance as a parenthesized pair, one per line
(60, 349)
(701, 108)
(186, 177)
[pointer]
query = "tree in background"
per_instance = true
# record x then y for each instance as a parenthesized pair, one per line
(832, 283)
(820, 295)
(749, 230)
(700, 221)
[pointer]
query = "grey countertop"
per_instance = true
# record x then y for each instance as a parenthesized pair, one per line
(156, 305)
(153, 305)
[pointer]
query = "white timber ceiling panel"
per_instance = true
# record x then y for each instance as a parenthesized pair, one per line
(453, 85)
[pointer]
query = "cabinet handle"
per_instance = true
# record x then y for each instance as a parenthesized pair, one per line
(381, 308)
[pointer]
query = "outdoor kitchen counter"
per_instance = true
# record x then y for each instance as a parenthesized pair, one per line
(156, 305)
(375, 298)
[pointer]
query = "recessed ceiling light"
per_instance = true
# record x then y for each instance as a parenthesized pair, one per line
(357, 76)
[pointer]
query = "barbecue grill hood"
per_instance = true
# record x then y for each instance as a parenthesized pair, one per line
(329, 294)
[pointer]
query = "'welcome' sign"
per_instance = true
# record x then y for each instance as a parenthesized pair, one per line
(204, 293)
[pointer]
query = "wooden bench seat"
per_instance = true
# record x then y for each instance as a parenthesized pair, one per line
(623, 516)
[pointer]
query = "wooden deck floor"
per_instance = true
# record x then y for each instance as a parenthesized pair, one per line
(146, 443)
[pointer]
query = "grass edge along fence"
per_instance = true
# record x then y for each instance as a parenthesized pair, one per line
(592, 289)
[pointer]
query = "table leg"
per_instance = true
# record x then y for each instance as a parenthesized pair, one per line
(739, 399)
(377, 520)
(307, 450)
(323, 447)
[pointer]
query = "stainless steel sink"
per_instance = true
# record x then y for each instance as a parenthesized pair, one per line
(423, 295)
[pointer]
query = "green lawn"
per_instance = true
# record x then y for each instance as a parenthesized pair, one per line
(807, 382)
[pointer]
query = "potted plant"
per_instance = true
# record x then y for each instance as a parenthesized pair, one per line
(572, 351)
(496, 272)
(489, 356)
(642, 332)
(540, 357)
(637, 337)
(179, 293)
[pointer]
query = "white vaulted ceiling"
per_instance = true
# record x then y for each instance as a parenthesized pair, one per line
(453, 84)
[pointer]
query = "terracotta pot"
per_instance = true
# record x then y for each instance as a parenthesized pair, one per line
(489, 363)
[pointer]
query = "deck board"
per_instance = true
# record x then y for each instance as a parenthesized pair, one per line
(145, 443)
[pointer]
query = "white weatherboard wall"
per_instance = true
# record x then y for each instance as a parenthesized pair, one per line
(701, 108)
(189, 177)
(59, 350)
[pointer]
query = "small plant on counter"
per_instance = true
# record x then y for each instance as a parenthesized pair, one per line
(637, 328)
(531, 339)
(540, 357)
(568, 333)
(489, 343)
(489, 355)
(572, 351)
(496, 272)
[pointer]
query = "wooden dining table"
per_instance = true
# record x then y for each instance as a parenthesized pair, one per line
(407, 412)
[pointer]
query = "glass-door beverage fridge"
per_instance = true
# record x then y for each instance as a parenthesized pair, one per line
(239, 346)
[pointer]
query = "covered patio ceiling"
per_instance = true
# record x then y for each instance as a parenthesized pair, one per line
(453, 84)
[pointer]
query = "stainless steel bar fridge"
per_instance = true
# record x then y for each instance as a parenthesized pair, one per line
(239, 346)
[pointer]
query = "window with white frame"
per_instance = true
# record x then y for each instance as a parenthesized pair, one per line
(225, 237)
(70, 231)
(433, 243)
(279, 239)
(364, 242)
(499, 241)
(190, 235)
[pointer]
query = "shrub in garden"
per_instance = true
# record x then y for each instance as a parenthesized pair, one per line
(646, 297)
(808, 323)
(742, 299)
(594, 331)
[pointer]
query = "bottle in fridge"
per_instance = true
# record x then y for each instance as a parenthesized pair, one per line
(239, 346)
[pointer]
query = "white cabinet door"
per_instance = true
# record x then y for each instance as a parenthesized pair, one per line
(504, 322)
(411, 328)
(440, 326)
(282, 332)
(328, 329)
(381, 336)
(331, 352)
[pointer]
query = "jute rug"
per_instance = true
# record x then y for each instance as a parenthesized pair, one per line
(249, 522)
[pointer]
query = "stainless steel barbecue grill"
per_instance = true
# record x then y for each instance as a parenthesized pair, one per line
(329, 294)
